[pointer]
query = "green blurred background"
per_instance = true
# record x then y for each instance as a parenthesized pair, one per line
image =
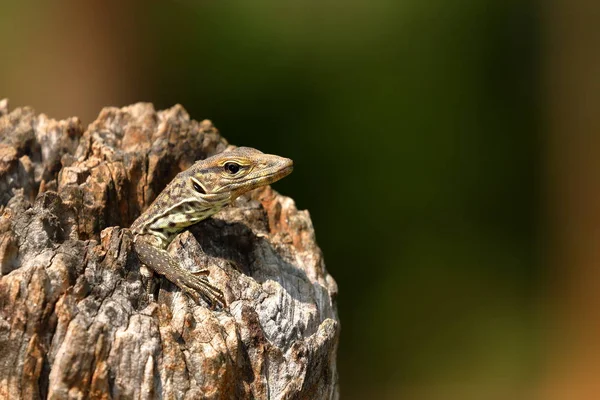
(426, 151)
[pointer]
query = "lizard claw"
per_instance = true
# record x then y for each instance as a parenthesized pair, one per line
(202, 272)
(195, 286)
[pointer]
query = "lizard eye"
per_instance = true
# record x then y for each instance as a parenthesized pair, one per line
(232, 167)
(198, 188)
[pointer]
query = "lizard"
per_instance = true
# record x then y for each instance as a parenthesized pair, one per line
(193, 195)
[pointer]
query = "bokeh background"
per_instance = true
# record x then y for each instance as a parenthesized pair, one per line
(447, 153)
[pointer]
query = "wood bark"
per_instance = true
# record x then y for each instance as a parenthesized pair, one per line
(76, 320)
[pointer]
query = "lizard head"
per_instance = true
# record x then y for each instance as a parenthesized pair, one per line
(206, 187)
(236, 172)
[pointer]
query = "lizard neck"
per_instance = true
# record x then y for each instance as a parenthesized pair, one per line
(165, 221)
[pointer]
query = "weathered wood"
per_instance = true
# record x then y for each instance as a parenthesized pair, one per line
(75, 317)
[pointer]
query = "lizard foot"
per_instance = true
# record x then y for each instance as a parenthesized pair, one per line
(196, 286)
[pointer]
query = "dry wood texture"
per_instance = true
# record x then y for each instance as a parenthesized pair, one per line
(76, 320)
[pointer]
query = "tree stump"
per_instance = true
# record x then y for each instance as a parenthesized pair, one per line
(76, 320)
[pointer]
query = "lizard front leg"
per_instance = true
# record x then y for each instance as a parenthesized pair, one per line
(192, 284)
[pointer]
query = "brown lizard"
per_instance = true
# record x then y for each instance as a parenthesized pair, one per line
(196, 194)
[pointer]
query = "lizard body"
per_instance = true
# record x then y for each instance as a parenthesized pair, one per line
(193, 195)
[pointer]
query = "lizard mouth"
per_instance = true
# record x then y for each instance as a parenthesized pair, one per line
(282, 173)
(270, 177)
